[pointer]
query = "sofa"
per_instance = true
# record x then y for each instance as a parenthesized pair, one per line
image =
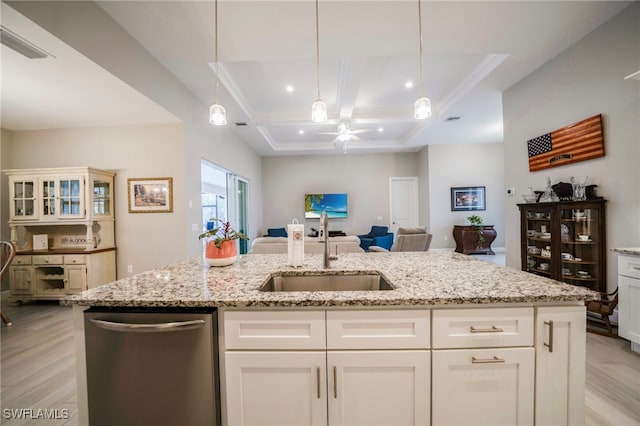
(348, 244)
(378, 236)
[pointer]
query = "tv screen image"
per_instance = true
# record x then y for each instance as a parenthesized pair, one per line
(334, 204)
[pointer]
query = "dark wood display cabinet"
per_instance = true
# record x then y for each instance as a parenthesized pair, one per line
(565, 241)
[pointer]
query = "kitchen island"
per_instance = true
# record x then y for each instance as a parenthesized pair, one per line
(453, 331)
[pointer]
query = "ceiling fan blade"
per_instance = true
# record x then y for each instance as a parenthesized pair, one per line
(355, 138)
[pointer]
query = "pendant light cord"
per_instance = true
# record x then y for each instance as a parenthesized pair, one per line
(421, 65)
(217, 78)
(317, 54)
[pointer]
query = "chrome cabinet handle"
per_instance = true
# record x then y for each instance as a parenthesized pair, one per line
(148, 328)
(493, 329)
(494, 360)
(318, 381)
(335, 382)
(550, 344)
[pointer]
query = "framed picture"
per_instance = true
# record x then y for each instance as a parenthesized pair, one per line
(150, 195)
(468, 198)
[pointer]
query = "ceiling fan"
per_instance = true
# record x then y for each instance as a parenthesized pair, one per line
(345, 134)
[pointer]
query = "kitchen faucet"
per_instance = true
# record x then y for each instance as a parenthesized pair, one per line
(324, 233)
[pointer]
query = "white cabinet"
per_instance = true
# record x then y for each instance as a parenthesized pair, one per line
(21, 276)
(483, 366)
(343, 372)
(276, 388)
(629, 299)
(560, 365)
(22, 195)
(483, 386)
(378, 387)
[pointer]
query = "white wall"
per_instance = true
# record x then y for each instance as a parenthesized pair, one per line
(424, 203)
(365, 179)
(91, 31)
(459, 165)
(143, 240)
(5, 153)
(585, 80)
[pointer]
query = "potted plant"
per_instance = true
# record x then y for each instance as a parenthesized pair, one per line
(220, 247)
(477, 221)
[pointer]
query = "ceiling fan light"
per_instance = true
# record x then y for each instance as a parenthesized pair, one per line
(319, 111)
(344, 137)
(217, 115)
(422, 108)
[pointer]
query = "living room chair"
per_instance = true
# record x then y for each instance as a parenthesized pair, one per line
(409, 239)
(7, 253)
(600, 312)
(377, 236)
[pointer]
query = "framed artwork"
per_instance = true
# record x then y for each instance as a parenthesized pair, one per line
(150, 195)
(468, 198)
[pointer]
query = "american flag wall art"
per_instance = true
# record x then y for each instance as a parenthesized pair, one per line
(577, 142)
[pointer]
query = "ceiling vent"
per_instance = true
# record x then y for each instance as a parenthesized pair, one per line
(240, 123)
(453, 118)
(20, 45)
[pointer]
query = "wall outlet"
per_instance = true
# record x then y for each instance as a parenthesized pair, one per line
(129, 269)
(511, 192)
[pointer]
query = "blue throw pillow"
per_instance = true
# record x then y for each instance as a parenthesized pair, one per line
(378, 231)
(277, 232)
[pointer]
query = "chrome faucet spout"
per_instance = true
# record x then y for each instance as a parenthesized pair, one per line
(324, 233)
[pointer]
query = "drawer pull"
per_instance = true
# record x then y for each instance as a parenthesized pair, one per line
(550, 344)
(335, 382)
(494, 360)
(318, 381)
(493, 329)
(637, 268)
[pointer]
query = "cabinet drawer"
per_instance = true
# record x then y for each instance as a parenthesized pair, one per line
(47, 260)
(482, 328)
(629, 266)
(278, 330)
(77, 259)
(21, 260)
(378, 329)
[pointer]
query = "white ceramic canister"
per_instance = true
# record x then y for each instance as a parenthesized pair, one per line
(295, 236)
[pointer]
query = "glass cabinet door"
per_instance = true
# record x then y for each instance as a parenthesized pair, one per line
(23, 205)
(48, 188)
(101, 198)
(580, 240)
(70, 199)
(539, 259)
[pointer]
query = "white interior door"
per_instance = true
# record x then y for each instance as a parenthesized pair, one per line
(403, 196)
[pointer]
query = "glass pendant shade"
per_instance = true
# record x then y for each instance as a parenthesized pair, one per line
(319, 111)
(422, 108)
(217, 115)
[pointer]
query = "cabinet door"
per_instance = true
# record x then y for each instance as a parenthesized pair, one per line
(75, 280)
(23, 193)
(276, 388)
(378, 388)
(560, 365)
(537, 233)
(21, 279)
(629, 314)
(101, 198)
(70, 197)
(483, 386)
(48, 197)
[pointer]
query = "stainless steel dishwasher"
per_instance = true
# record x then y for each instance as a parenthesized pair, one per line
(152, 368)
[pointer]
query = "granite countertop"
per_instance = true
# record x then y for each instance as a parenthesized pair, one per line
(633, 251)
(419, 279)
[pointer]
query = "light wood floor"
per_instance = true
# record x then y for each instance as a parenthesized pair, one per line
(37, 370)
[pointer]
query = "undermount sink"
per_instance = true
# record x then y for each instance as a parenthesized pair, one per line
(370, 281)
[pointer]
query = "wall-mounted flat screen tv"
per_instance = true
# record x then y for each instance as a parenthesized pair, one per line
(334, 204)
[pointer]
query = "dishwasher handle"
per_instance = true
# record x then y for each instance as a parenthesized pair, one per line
(148, 328)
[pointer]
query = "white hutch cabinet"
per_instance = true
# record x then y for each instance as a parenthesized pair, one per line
(70, 213)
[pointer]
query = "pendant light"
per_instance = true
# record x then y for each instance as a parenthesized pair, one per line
(217, 113)
(422, 107)
(319, 107)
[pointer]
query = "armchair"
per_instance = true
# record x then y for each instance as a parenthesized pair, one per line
(409, 239)
(377, 236)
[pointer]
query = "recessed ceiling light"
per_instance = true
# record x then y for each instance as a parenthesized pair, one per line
(301, 131)
(380, 130)
(408, 84)
(289, 88)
